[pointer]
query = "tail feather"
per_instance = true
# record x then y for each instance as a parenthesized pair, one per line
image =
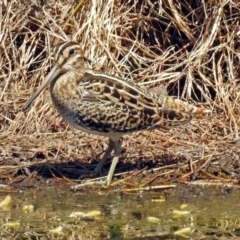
(174, 118)
(200, 110)
(181, 106)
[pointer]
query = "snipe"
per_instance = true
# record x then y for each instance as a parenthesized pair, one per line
(106, 105)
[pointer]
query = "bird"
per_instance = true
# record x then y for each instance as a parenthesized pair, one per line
(102, 104)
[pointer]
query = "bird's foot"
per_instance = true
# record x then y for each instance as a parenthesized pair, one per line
(94, 181)
(96, 174)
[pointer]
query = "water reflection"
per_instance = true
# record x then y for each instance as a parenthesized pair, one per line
(57, 212)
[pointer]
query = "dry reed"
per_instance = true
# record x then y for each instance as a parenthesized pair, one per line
(191, 48)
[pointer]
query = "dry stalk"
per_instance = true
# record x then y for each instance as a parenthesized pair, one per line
(189, 47)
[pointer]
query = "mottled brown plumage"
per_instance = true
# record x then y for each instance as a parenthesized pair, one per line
(102, 104)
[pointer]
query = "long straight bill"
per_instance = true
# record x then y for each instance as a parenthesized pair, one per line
(51, 75)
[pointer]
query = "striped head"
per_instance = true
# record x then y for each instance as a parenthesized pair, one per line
(68, 56)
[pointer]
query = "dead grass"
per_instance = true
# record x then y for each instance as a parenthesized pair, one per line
(192, 48)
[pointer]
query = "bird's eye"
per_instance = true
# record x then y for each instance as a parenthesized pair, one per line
(72, 51)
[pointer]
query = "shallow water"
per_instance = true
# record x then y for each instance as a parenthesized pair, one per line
(59, 213)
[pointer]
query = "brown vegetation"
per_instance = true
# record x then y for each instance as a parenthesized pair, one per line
(190, 47)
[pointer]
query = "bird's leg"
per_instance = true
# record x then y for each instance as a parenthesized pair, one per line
(112, 145)
(117, 153)
(98, 168)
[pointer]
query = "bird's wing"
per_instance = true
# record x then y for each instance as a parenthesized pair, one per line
(138, 108)
(113, 89)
